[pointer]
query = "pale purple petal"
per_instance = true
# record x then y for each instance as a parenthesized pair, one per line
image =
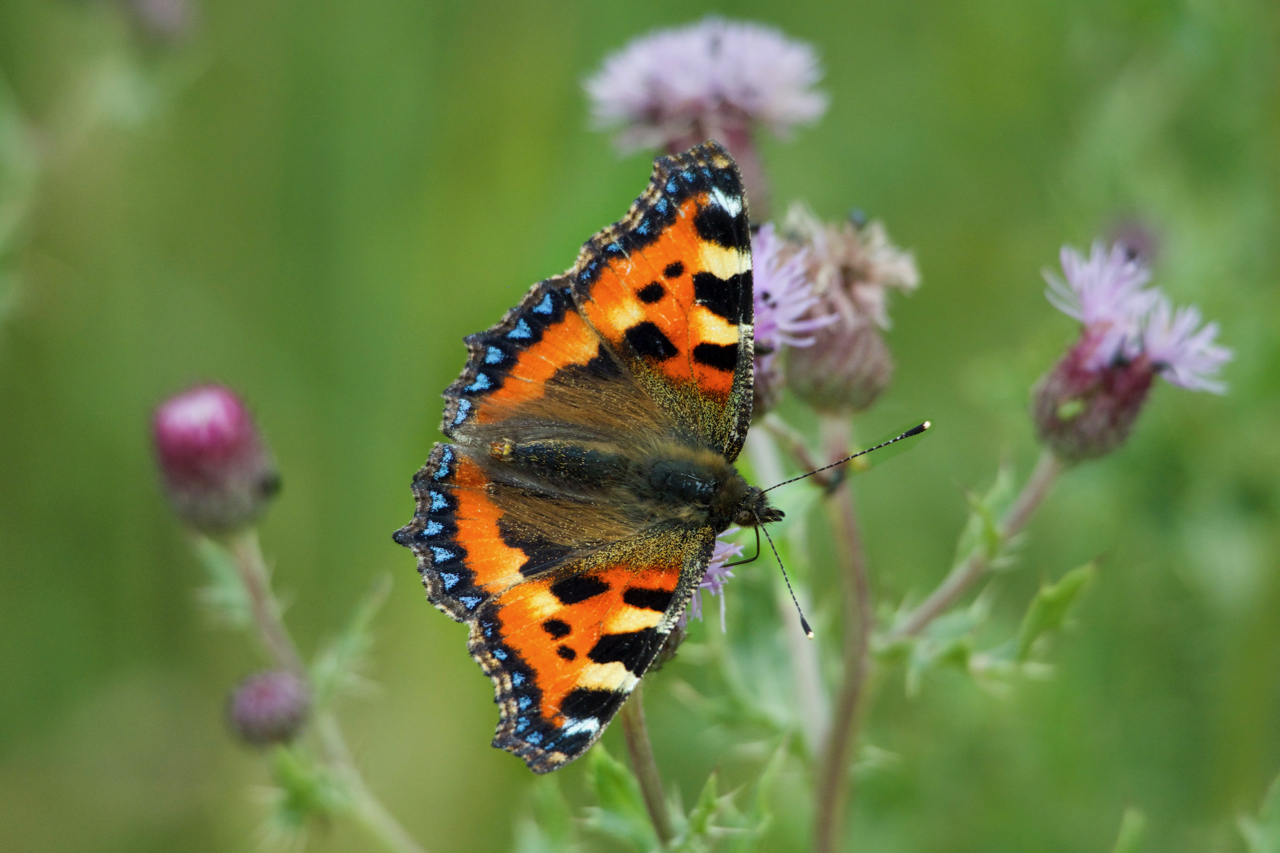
(1182, 350)
(660, 85)
(716, 577)
(1108, 294)
(784, 295)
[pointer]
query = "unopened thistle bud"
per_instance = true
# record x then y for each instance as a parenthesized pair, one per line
(853, 266)
(1087, 404)
(217, 471)
(269, 707)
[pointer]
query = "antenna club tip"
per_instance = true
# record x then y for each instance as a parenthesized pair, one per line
(809, 634)
(926, 425)
(804, 623)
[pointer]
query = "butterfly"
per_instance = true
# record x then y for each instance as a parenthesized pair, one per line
(590, 465)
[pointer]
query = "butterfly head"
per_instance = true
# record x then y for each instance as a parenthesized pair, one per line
(754, 509)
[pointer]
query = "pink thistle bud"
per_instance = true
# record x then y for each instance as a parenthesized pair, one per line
(269, 707)
(217, 471)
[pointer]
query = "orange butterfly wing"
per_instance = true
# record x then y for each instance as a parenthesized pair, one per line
(525, 528)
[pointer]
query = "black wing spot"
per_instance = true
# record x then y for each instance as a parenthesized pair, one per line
(584, 702)
(557, 628)
(576, 588)
(633, 650)
(648, 599)
(675, 269)
(648, 342)
(651, 293)
(566, 652)
(719, 356)
(722, 297)
(715, 225)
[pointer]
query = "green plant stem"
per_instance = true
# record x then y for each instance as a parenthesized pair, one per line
(267, 615)
(645, 767)
(280, 647)
(834, 783)
(762, 449)
(965, 575)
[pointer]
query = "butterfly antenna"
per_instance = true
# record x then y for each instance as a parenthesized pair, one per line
(804, 623)
(915, 430)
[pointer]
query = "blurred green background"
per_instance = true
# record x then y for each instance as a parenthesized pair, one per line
(313, 202)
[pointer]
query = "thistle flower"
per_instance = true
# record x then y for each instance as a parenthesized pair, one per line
(1087, 404)
(269, 707)
(714, 580)
(787, 312)
(715, 79)
(217, 471)
(853, 265)
(1107, 293)
(665, 85)
(1182, 351)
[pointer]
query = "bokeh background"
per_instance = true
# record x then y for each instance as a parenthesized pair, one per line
(314, 202)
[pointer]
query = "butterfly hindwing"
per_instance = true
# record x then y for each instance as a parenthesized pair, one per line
(565, 650)
(528, 527)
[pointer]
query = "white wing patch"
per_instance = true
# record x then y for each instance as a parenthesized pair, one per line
(731, 204)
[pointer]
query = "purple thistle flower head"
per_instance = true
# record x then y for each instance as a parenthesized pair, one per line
(1087, 404)
(714, 580)
(1107, 294)
(787, 310)
(675, 82)
(1181, 350)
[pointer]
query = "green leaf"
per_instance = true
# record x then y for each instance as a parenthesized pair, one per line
(620, 812)
(1262, 834)
(705, 810)
(1050, 606)
(549, 828)
(982, 530)
(337, 668)
(1132, 826)
(225, 596)
(304, 791)
(948, 641)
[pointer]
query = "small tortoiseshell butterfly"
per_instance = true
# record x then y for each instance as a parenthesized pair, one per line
(594, 432)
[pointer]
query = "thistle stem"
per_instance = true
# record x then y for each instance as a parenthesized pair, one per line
(267, 615)
(806, 669)
(278, 642)
(645, 767)
(834, 780)
(1037, 488)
